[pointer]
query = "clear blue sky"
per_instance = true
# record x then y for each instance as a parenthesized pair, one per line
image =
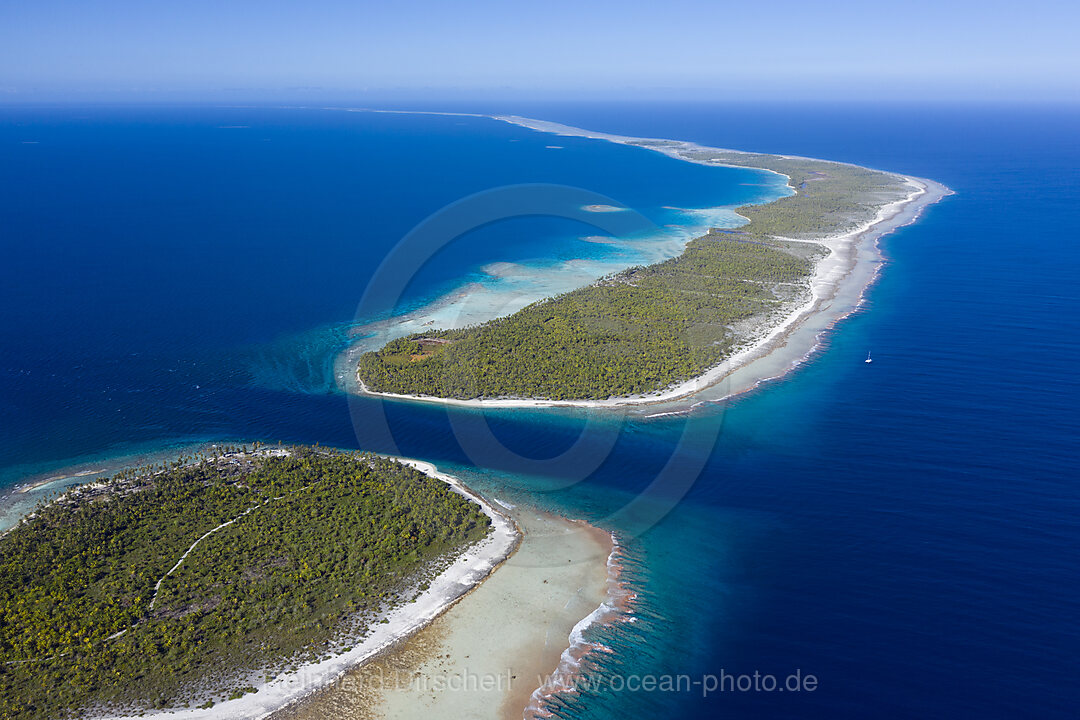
(830, 49)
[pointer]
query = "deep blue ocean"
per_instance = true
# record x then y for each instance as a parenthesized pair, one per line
(908, 532)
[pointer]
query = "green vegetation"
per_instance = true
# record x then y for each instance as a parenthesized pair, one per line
(646, 329)
(636, 331)
(830, 198)
(321, 542)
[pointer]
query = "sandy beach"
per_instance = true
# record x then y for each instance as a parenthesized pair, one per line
(555, 578)
(836, 289)
(466, 572)
(489, 654)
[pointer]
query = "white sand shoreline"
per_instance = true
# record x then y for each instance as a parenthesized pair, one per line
(565, 577)
(467, 571)
(828, 276)
(617, 607)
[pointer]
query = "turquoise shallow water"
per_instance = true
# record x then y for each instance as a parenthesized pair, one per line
(906, 532)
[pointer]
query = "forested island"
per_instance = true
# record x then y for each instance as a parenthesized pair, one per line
(647, 329)
(187, 584)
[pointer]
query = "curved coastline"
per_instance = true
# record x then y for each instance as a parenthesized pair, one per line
(464, 574)
(749, 366)
(545, 665)
(617, 607)
(565, 576)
